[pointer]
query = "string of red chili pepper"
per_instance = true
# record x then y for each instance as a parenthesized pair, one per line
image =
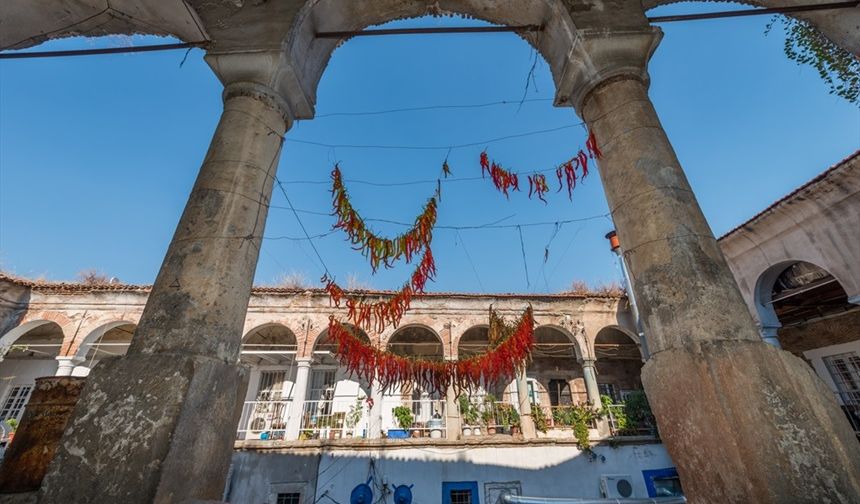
(504, 359)
(380, 250)
(504, 180)
(538, 185)
(377, 315)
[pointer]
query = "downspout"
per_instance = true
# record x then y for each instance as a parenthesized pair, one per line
(615, 246)
(520, 499)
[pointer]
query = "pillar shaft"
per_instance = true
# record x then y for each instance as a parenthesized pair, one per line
(157, 425)
(300, 392)
(590, 376)
(374, 424)
(525, 407)
(743, 421)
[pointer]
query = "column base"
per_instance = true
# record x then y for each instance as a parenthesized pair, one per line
(746, 422)
(170, 418)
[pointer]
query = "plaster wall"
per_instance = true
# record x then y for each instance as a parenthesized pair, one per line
(816, 359)
(541, 470)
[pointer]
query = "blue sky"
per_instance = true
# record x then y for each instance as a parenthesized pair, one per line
(98, 154)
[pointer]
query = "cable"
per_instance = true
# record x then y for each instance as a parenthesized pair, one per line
(433, 147)
(430, 107)
(305, 231)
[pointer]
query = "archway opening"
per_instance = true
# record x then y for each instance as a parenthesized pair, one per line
(113, 343)
(618, 364)
(32, 355)
(426, 406)
(555, 378)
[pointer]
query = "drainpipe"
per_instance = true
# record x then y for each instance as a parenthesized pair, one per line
(615, 246)
(519, 499)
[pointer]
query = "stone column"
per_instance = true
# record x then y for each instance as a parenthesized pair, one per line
(527, 423)
(374, 425)
(769, 335)
(300, 392)
(65, 365)
(157, 425)
(453, 425)
(743, 421)
(589, 374)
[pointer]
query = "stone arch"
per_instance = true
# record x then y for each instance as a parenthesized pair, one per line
(474, 340)
(112, 330)
(31, 339)
(271, 343)
(417, 340)
(603, 337)
(312, 54)
(763, 293)
(555, 367)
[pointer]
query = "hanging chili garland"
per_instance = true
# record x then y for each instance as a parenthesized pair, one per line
(375, 316)
(381, 250)
(509, 349)
(566, 172)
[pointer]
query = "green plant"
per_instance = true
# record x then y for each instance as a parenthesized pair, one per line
(805, 45)
(507, 415)
(468, 411)
(356, 411)
(12, 423)
(638, 411)
(539, 418)
(404, 416)
(488, 414)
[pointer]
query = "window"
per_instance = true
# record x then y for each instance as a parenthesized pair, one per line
(460, 492)
(271, 386)
(461, 497)
(845, 371)
(288, 498)
(607, 389)
(13, 406)
(559, 393)
(533, 393)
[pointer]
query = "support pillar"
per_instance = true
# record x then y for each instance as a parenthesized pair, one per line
(65, 365)
(743, 421)
(157, 425)
(770, 336)
(590, 375)
(374, 426)
(453, 424)
(527, 423)
(297, 404)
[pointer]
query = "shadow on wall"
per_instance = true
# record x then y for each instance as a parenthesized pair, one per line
(310, 477)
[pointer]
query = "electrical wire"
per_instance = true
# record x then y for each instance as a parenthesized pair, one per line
(422, 108)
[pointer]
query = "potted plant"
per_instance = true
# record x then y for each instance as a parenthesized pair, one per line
(469, 415)
(513, 418)
(13, 426)
(353, 416)
(488, 415)
(404, 417)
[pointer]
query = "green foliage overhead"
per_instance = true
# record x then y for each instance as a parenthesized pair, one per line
(838, 68)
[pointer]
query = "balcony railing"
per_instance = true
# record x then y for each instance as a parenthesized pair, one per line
(428, 418)
(266, 420)
(487, 416)
(334, 419)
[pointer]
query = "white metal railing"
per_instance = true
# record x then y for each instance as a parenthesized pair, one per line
(334, 418)
(265, 420)
(427, 415)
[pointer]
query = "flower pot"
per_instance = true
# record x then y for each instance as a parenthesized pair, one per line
(416, 433)
(491, 430)
(515, 430)
(476, 431)
(467, 431)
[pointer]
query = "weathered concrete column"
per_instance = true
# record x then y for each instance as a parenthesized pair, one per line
(48, 410)
(743, 421)
(157, 425)
(527, 423)
(300, 392)
(374, 424)
(453, 425)
(65, 365)
(589, 374)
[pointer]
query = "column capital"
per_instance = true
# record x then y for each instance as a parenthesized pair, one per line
(304, 362)
(587, 362)
(265, 74)
(598, 55)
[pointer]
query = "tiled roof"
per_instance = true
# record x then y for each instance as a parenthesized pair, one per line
(823, 175)
(71, 287)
